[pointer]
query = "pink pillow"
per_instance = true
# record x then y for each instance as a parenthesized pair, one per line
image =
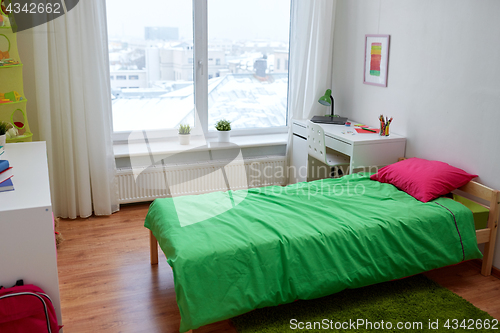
(424, 180)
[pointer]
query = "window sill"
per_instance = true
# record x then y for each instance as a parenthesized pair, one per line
(172, 146)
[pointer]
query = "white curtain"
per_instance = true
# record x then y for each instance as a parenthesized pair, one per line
(311, 61)
(74, 110)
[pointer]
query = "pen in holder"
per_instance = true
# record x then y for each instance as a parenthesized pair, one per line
(384, 125)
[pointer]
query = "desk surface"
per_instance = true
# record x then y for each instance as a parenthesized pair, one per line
(335, 131)
(31, 177)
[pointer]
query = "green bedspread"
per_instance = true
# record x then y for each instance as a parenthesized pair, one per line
(307, 240)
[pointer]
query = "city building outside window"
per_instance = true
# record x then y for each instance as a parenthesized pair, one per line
(226, 72)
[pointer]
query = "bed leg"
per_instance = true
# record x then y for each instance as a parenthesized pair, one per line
(489, 247)
(487, 260)
(153, 248)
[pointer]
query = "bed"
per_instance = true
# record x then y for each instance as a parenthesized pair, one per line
(307, 240)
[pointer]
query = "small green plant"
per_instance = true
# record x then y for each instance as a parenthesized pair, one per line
(223, 125)
(4, 127)
(184, 129)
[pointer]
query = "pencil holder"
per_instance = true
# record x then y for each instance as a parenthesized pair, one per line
(384, 125)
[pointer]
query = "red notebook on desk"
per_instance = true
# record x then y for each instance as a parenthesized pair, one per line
(6, 174)
(361, 130)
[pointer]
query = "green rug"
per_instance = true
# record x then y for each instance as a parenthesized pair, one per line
(416, 304)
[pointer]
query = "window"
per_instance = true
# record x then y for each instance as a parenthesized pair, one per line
(278, 64)
(204, 60)
(112, 77)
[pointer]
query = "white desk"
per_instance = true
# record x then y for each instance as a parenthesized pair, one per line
(27, 244)
(364, 150)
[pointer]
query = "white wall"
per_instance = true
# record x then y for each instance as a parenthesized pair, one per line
(443, 83)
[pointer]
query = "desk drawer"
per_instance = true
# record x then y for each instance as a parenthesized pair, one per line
(299, 130)
(338, 145)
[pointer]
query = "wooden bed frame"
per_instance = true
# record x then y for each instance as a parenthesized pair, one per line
(486, 236)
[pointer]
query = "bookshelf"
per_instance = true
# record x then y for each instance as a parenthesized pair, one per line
(11, 83)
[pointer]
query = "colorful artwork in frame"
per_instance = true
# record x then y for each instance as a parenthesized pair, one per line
(376, 60)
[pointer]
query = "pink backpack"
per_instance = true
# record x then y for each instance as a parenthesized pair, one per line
(26, 309)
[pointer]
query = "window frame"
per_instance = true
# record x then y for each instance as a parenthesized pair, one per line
(200, 85)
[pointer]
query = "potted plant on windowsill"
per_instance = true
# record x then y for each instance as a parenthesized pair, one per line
(184, 134)
(224, 129)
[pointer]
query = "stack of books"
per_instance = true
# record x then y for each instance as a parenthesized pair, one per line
(5, 176)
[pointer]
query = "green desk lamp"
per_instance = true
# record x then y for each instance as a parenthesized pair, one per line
(327, 100)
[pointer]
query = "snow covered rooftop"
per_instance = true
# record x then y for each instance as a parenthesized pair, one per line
(244, 99)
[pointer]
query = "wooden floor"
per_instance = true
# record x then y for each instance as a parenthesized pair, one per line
(108, 285)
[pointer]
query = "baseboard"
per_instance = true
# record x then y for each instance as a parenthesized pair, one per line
(494, 271)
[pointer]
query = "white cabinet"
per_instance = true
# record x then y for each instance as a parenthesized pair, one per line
(27, 245)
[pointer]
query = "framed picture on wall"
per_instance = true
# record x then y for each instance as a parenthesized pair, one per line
(376, 60)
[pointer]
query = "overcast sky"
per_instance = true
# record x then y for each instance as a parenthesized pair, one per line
(232, 19)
